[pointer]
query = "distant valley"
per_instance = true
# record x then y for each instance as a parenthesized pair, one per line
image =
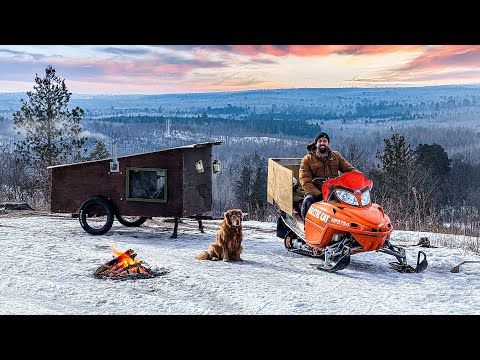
(278, 123)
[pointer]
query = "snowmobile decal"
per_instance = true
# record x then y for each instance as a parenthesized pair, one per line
(326, 218)
(339, 222)
(317, 213)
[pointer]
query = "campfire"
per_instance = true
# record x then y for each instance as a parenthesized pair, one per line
(124, 266)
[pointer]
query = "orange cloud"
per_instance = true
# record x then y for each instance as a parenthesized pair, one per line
(446, 56)
(95, 68)
(378, 49)
(435, 63)
(316, 50)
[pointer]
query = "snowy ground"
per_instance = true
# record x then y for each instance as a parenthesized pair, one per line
(48, 263)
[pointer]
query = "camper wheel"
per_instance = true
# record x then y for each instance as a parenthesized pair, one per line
(96, 215)
(131, 221)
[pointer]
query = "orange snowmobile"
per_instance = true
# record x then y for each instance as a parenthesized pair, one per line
(346, 222)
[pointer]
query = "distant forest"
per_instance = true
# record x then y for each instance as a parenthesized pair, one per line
(256, 125)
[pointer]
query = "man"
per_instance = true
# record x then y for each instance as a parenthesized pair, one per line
(320, 162)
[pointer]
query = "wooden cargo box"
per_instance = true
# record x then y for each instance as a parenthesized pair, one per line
(281, 172)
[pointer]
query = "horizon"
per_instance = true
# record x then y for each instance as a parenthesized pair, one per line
(259, 90)
(182, 69)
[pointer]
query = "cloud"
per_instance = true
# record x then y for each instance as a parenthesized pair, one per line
(124, 51)
(445, 56)
(155, 68)
(24, 54)
(443, 62)
(314, 50)
(377, 49)
(180, 47)
(194, 67)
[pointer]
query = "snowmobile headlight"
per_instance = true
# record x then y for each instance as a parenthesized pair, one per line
(365, 198)
(347, 197)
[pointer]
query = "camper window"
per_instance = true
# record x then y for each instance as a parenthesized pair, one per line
(146, 184)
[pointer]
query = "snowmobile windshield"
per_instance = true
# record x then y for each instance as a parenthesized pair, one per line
(351, 188)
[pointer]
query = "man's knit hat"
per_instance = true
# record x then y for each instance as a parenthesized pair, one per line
(321, 135)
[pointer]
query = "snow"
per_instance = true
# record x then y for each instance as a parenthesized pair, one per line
(48, 262)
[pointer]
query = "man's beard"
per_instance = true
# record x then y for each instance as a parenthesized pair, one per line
(322, 149)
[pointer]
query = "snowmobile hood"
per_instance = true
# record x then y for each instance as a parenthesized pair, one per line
(371, 216)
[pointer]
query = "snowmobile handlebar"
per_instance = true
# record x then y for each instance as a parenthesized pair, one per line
(322, 179)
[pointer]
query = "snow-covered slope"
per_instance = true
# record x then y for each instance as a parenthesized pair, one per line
(48, 263)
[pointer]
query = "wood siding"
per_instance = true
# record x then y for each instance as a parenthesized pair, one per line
(197, 187)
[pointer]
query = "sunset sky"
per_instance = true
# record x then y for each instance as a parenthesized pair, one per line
(160, 69)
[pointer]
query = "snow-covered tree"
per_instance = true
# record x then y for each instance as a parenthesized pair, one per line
(52, 131)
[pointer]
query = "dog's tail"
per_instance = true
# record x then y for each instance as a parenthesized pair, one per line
(204, 255)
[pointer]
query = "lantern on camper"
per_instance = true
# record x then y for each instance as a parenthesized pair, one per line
(216, 166)
(199, 166)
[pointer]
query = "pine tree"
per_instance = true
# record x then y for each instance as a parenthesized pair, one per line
(397, 163)
(244, 181)
(396, 155)
(433, 157)
(99, 152)
(251, 186)
(403, 186)
(52, 131)
(258, 194)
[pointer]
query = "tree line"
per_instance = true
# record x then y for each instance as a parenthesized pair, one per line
(220, 125)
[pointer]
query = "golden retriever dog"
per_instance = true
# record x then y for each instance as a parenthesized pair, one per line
(228, 245)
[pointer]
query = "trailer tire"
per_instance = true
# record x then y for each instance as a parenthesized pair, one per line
(136, 223)
(92, 208)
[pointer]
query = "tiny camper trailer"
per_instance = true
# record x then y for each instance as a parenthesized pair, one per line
(175, 182)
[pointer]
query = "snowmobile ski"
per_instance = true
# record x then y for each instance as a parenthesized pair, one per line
(308, 252)
(339, 265)
(405, 268)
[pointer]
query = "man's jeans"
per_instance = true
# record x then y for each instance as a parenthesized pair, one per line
(308, 201)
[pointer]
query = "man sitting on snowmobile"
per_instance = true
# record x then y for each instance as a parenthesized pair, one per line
(320, 162)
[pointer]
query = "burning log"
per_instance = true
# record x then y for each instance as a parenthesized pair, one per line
(116, 263)
(124, 266)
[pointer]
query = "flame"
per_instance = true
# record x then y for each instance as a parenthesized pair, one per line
(124, 257)
(115, 251)
(125, 261)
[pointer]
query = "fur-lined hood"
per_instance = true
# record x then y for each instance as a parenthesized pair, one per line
(311, 147)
